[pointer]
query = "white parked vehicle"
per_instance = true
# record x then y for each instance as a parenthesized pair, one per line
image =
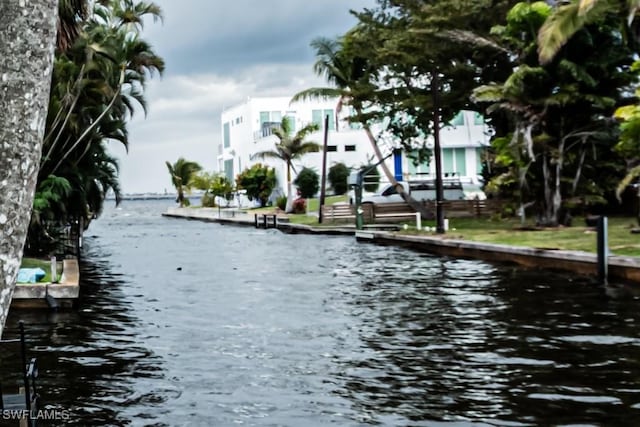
(453, 189)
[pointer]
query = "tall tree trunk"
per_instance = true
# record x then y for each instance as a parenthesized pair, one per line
(549, 193)
(557, 195)
(289, 206)
(27, 42)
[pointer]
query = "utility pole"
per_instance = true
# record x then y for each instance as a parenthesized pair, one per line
(323, 181)
(438, 155)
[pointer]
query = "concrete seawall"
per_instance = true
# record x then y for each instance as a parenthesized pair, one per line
(621, 268)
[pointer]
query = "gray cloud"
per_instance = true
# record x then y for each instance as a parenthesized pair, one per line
(218, 55)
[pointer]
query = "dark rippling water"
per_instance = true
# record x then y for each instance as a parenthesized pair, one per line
(263, 328)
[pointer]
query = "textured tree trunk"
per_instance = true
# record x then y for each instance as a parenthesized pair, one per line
(27, 41)
(289, 206)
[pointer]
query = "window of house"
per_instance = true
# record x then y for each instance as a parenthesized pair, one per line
(454, 161)
(478, 119)
(332, 148)
(264, 117)
(461, 161)
(458, 120)
(349, 148)
(447, 160)
(332, 118)
(226, 135)
(228, 169)
(316, 117)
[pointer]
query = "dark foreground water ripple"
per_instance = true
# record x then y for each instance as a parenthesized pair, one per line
(191, 324)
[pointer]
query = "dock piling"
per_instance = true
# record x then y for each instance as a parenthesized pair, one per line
(603, 249)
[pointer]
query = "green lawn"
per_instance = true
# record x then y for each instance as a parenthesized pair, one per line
(579, 237)
(312, 204)
(43, 264)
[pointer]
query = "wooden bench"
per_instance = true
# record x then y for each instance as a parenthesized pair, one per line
(338, 212)
(394, 211)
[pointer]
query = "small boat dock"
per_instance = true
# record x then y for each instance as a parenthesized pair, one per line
(61, 294)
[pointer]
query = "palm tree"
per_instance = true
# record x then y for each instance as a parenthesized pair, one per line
(569, 18)
(289, 148)
(71, 17)
(344, 73)
(182, 174)
(25, 95)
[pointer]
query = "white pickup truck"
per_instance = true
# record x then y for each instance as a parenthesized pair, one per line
(420, 190)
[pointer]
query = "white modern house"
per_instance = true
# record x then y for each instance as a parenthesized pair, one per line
(247, 130)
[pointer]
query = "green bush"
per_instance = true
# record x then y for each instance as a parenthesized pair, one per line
(308, 182)
(259, 181)
(281, 202)
(337, 176)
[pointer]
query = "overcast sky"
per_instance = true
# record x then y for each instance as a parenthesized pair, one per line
(217, 54)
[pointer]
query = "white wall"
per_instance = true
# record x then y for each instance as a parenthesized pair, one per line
(246, 138)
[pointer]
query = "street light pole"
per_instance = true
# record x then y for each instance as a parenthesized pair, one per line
(438, 153)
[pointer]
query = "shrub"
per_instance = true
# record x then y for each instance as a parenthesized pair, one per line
(259, 181)
(307, 182)
(337, 176)
(299, 206)
(281, 202)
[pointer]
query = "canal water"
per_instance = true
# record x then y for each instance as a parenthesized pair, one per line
(183, 323)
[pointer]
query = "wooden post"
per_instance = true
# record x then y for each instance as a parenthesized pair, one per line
(264, 221)
(603, 250)
(437, 152)
(54, 270)
(255, 219)
(323, 180)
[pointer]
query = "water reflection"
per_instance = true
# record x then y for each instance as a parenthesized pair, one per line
(185, 323)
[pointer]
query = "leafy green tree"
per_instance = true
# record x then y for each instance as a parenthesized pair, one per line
(48, 206)
(98, 83)
(569, 18)
(214, 185)
(289, 148)
(393, 58)
(338, 174)
(222, 187)
(308, 182)
(182, 174)
(258, 181)
(559, 110)
(346, 73)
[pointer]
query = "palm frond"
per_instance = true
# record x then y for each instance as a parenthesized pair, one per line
(564, 22)
(317, 93)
